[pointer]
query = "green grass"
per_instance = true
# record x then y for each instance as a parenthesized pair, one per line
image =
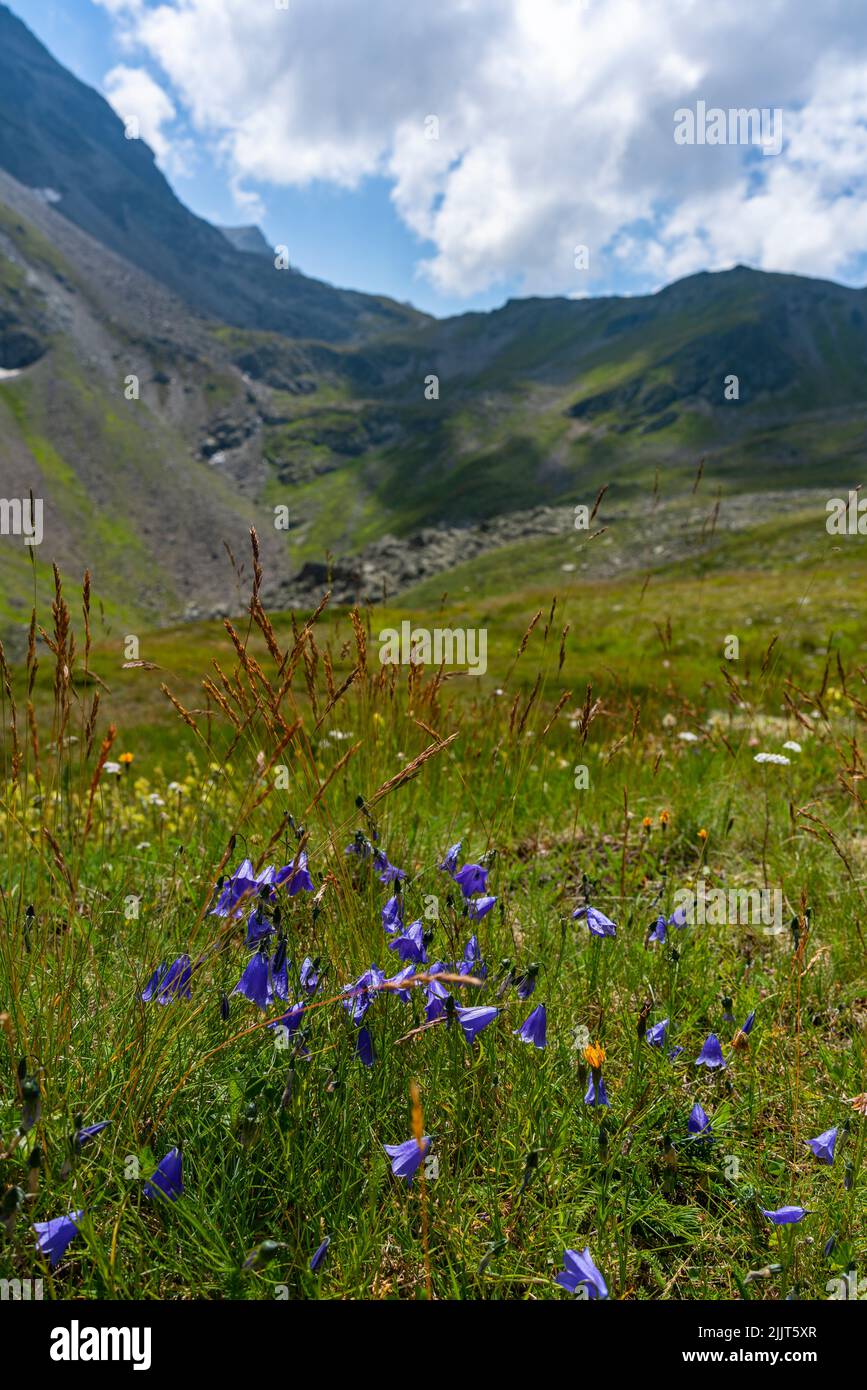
(286, 1147)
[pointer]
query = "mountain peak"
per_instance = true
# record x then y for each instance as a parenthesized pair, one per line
(58, 133)
(251, 240)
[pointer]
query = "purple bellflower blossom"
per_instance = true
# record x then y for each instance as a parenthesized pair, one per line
(534, 1028)
(472, 963)
(596, 1093)
(243, 883)
(167, 1178)
(526, 983)
(392, 914)
(436, 994)
(698, 1123)
(255, 983)
(388, 873)
(169, 983)
(280, 972)
(478, 908)
(258, 928)
(88, 1132)
(471, 879)
(450, 862)
(599, 924)
(52, 1237)
(785, 1216)
(580, 1272)
(364, 1047)
(407, 1158)
(410, 944)
(319, 1254)
(291, 1020)
(711, 1055)
(658, 932)
(823, 1145)
(396, 980)
(360, 995)
(656, 1035)
(473, 1020)
(295, 877)
(309, 976)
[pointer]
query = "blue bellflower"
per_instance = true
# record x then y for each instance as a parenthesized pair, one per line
(471, 879)
(395, 981)
(786, 1216)
(255, 982)
(526, 984)
(450, 862)
(88, 1132)
(291, 1020)
(52, 1237)
(359, 996)
(243, 883)
(319, 1254)
(711, 1054)
(656, 1035)
(410, 944)
(309, 976)
(599, 924)
(295, 877)
(167, 1178)
(258, 927)
(392, 914)
(436, 993)
(823, 1145)
(473, 1020)
(407, 1158)
(596, 1093)
(658, 932)
(169, 983)
(534, 1028)
(472, 963)
(581, 1272)
(479, 908)
(364, 1047)
(388, 873)
(698, 1123)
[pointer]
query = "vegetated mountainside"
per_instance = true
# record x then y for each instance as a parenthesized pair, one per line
(543, 401)
(127, 490)
(397, 446)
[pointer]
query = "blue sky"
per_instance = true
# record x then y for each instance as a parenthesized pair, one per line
(457, 154)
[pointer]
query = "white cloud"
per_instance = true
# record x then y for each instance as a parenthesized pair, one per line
(555, 125)
(137, 98)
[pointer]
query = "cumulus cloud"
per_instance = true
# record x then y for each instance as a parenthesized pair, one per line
(554, 122)
(140, 101)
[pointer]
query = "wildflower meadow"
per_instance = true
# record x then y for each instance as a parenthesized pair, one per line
(323, 977)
